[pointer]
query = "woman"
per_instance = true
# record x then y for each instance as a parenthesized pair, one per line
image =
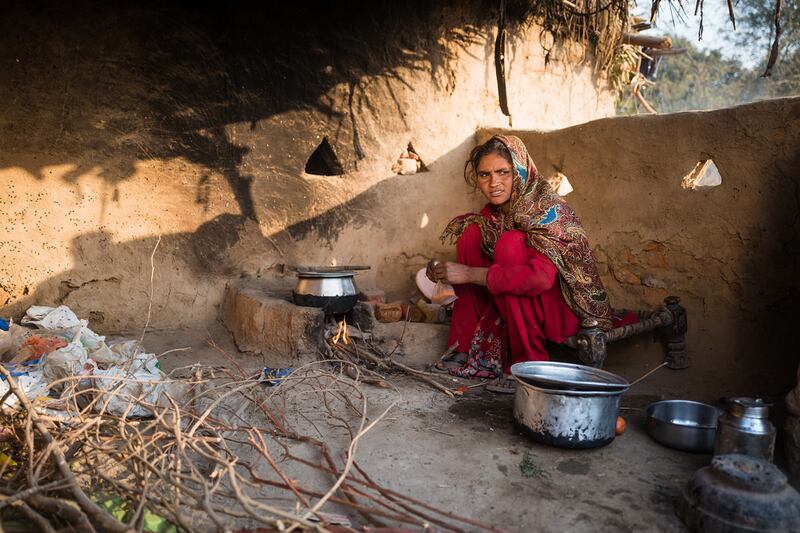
(525, 273)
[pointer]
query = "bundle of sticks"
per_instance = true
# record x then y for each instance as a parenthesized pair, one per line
(359, 351)
(225, 453)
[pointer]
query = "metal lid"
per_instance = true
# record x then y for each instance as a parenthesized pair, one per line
(749, 407)
(336, 274)
(543, 388)
(341, 268)
(550, 374)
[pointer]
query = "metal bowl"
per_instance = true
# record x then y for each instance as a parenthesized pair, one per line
(683, 424)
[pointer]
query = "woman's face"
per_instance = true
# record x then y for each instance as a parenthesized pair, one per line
(495, 178)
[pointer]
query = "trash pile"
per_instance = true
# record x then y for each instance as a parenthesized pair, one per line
(52, 345)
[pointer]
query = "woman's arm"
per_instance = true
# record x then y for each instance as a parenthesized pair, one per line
(530, 278)
(457, 274)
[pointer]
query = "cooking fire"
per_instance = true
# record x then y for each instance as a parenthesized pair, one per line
(341, 333)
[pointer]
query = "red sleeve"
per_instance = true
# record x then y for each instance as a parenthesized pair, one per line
(528, 279)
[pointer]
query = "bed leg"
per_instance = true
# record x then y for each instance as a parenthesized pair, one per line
(591, 343)
(674, 335)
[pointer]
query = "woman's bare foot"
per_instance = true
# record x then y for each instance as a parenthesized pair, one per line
(506, 384)
(454, 360)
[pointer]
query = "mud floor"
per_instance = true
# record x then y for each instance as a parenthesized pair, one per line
(467, 457)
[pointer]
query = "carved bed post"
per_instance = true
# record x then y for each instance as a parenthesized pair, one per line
(675, 333)
(591, 343)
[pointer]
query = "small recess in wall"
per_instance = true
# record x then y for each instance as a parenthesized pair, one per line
(409, 162)
(560, 184)
(323, 161)
(705, 174)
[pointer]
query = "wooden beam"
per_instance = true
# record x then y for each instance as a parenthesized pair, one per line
(650, 41)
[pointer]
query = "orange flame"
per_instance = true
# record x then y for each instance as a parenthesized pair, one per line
(341, 334)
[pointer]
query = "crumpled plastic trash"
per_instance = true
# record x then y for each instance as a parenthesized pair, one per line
(119, 353)
(123, 379)
(39, 345)
(274, 376)
(135, 374)
(51, 317)
(71, 360)
(63, 321)
(11, 340)
(85, 347)
(119, 389)
(29, 378)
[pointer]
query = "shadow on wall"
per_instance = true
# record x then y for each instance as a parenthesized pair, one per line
(393, 226)
(93, 84)
(110, 282)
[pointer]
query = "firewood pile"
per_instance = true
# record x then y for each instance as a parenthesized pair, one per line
(224, 451)
(356, 350)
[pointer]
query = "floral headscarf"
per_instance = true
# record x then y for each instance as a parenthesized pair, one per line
(551, 226)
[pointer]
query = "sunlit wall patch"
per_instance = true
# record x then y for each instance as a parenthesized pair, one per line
(704, 175)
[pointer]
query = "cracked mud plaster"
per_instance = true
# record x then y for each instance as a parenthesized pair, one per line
(67, 287)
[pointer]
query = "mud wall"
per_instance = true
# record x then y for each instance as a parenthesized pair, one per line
(169, 140)
(731, 252)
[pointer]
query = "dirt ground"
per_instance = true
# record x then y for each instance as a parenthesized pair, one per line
(467, 457)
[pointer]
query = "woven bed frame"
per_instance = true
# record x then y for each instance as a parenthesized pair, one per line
(667, 322)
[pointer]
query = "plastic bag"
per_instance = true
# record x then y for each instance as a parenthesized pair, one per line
(51, 317)
(32, 383)
(125, 393)
(39, 345)
(11, 341)
(65, 362)
(443, 294)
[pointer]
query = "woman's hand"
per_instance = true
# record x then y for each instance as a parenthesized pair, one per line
(429, 269)
(456, 273)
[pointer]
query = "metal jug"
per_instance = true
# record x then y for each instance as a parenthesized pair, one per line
(744, 428)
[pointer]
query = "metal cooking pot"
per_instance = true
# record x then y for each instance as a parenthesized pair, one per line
(566, 418)
(333, 292)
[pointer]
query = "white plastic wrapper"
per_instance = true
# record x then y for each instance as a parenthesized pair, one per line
(124, 393)
(32, 384)
(71, 360)
(51, 317)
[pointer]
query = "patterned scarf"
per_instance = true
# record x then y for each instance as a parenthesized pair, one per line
(551, 226)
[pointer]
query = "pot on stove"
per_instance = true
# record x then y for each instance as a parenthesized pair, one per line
(332, 291)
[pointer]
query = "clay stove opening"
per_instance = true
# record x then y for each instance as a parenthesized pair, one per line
(323, 161)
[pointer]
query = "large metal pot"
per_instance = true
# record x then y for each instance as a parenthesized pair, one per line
(333, 292)
(566, 418)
